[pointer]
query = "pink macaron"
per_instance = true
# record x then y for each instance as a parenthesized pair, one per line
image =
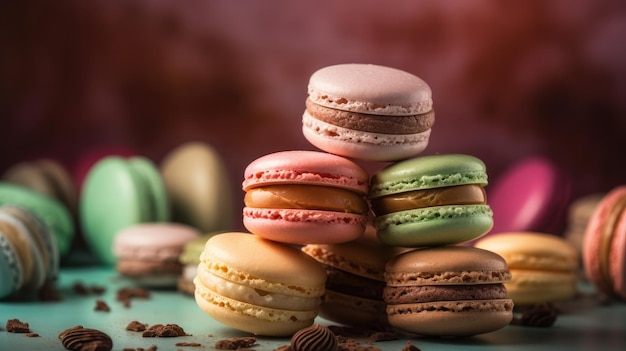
(305, 197)
(148, 253)
(604, 245)
(531, 195)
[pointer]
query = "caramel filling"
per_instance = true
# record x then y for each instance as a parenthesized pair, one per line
(310, 197)
(472, 194)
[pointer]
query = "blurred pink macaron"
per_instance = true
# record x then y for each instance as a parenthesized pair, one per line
(604, 245)
(531, 195)
(305, 197)
(148, 253)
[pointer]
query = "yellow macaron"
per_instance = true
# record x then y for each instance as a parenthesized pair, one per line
(258, 286)
(543, 266)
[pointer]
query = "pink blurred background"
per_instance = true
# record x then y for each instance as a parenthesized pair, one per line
(509, 78)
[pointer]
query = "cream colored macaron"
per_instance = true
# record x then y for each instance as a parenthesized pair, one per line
(258, 286)
(198, 187)
(543, 266)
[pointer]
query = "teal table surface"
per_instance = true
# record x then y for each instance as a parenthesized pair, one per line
(583, 324)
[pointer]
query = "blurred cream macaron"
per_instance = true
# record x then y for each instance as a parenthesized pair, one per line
(544, 267)
(198, 187)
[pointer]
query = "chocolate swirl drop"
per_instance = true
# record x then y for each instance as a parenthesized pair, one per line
(84, 339)
(314, 338)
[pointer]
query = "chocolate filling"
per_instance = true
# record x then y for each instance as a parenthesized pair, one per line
(430, 293)
(354, 285)
(372, 123)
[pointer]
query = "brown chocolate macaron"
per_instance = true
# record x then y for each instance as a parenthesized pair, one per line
(355, 283)
(448, 291)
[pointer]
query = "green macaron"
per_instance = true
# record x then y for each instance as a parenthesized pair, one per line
(431, 200)
(53, 213)
(118, 193)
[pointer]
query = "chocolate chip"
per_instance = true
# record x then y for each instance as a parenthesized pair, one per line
(235, 343)
(164, 331)
(17, 326)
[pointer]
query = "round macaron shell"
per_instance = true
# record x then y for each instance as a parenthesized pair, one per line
(532, 195)
(458, 324)
(118, 193)
(153, 241)
(306, 167)
(198, 187)
(427, 172)
(302, 227)
(363, 145)
(54, 214)
(434, 226)
(368, 88)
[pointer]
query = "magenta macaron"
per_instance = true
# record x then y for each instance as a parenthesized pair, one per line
(604, 245)
(531, 195)
(305, 197)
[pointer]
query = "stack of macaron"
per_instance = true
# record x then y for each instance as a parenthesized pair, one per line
(317, 199)
(431, 203)
(426, 203)
(323, 201)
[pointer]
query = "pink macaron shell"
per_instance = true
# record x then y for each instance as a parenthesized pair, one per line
(306, 167)
(617, 258)
(153, 241)
(532, 195)
(592, 240)
(303, 227)
(364, 145)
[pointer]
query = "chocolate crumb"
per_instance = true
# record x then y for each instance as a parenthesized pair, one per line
(32, 335)
(164, 331)
(136, 326)
(97, 290)
(192, 344)
(126, 294)
(410, 347)
(17, 326)
(383, 336)
(49, 293)
(283, 348)
(541, 315)
(102, 306)
(80, 289)
(357, 347)
(151, 348)
(235, 343)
